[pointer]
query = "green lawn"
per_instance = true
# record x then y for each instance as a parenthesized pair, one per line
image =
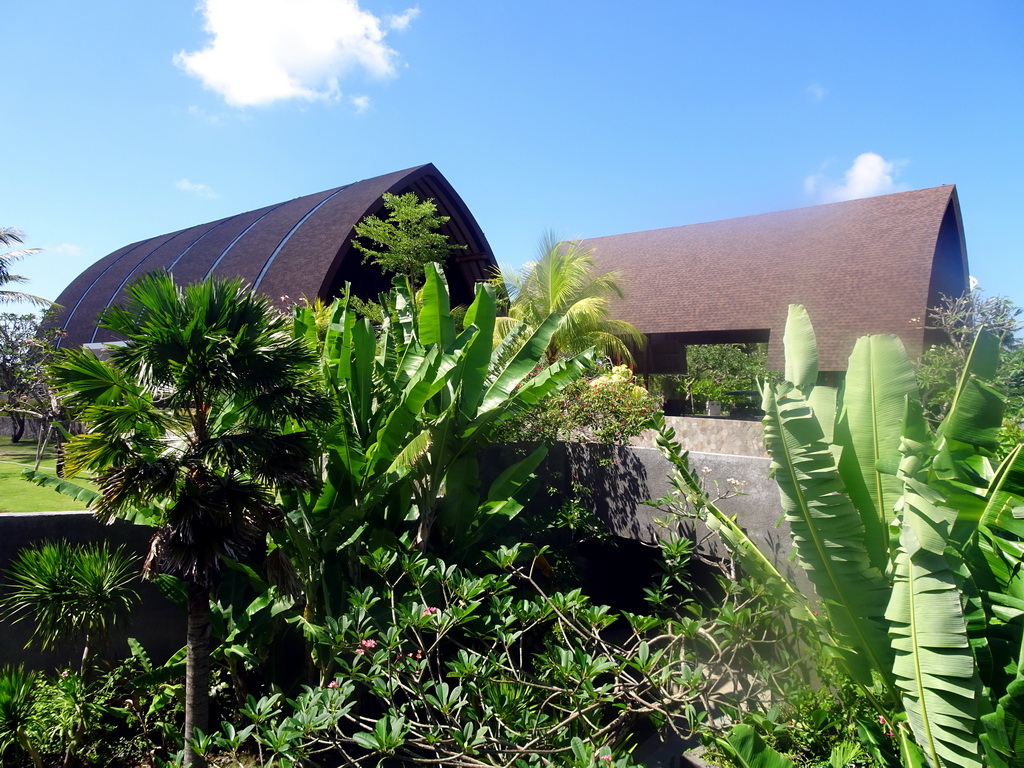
(18, 494)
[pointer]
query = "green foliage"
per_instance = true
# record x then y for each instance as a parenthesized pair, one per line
(415, 407)
(20, 366)
(563, 281)
(744, 748)
(714, 370)
(70, 592)
(959, 319)
(911, 539)
(433, 662)
(608, 408)
(194, 424)
(8, 237)
(407, 240)
(17, 730)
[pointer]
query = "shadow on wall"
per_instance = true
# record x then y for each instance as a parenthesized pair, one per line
(623, 479)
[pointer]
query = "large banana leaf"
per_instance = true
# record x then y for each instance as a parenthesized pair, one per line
(879, 380)
(435, 319)
(976, 413)
(801, 348)
(62, 486)
(935, 666)
(827, 532)
(521, 365)
(745, 748)
(996, 566)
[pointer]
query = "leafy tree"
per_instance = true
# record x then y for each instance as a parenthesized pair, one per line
(562, 281)
(192, 428)
(713, 370)
(25, 351)
(19, 367)
(407, 239)
(959, 319)
(8, 237)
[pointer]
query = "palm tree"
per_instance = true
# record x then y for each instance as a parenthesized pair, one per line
(8, 237)
(195, 422)
(563, 281)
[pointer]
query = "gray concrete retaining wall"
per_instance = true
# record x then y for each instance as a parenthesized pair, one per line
(621, 480)
(713, 434)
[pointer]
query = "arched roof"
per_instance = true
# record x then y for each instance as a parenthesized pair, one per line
(299, 248)
(865, 266)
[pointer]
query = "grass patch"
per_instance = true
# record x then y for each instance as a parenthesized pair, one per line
(18, 494)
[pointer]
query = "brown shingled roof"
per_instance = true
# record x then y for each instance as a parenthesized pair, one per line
(298, 248)
(863, 266)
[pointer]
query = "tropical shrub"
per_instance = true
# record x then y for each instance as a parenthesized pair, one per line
(71, 593)
(18, 732)
(608, 407)
(401, 461)
(486, 665)
(912, 539)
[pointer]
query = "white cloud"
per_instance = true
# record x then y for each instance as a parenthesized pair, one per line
(399, 21)
(199, 190)
(264, 51)
(870, 175)
(817, 91)
(65, 249)
(200, 114)
(361, 103)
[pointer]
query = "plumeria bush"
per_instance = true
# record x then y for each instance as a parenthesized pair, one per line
(482, 666)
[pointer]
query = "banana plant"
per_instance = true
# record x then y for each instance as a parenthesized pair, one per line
(401, 462)
(912, 541)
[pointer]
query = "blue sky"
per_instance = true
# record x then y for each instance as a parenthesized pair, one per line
(126, 120)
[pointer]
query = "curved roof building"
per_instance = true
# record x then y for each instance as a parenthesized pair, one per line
(873, 265)
(298, 248)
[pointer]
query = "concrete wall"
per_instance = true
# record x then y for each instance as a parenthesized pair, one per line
(712, 434)
(623, 479)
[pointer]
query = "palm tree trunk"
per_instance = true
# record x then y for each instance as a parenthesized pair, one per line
(197, 669)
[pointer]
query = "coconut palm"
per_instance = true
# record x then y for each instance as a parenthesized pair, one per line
(189, 423)
(8, 237)
(564, 281)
